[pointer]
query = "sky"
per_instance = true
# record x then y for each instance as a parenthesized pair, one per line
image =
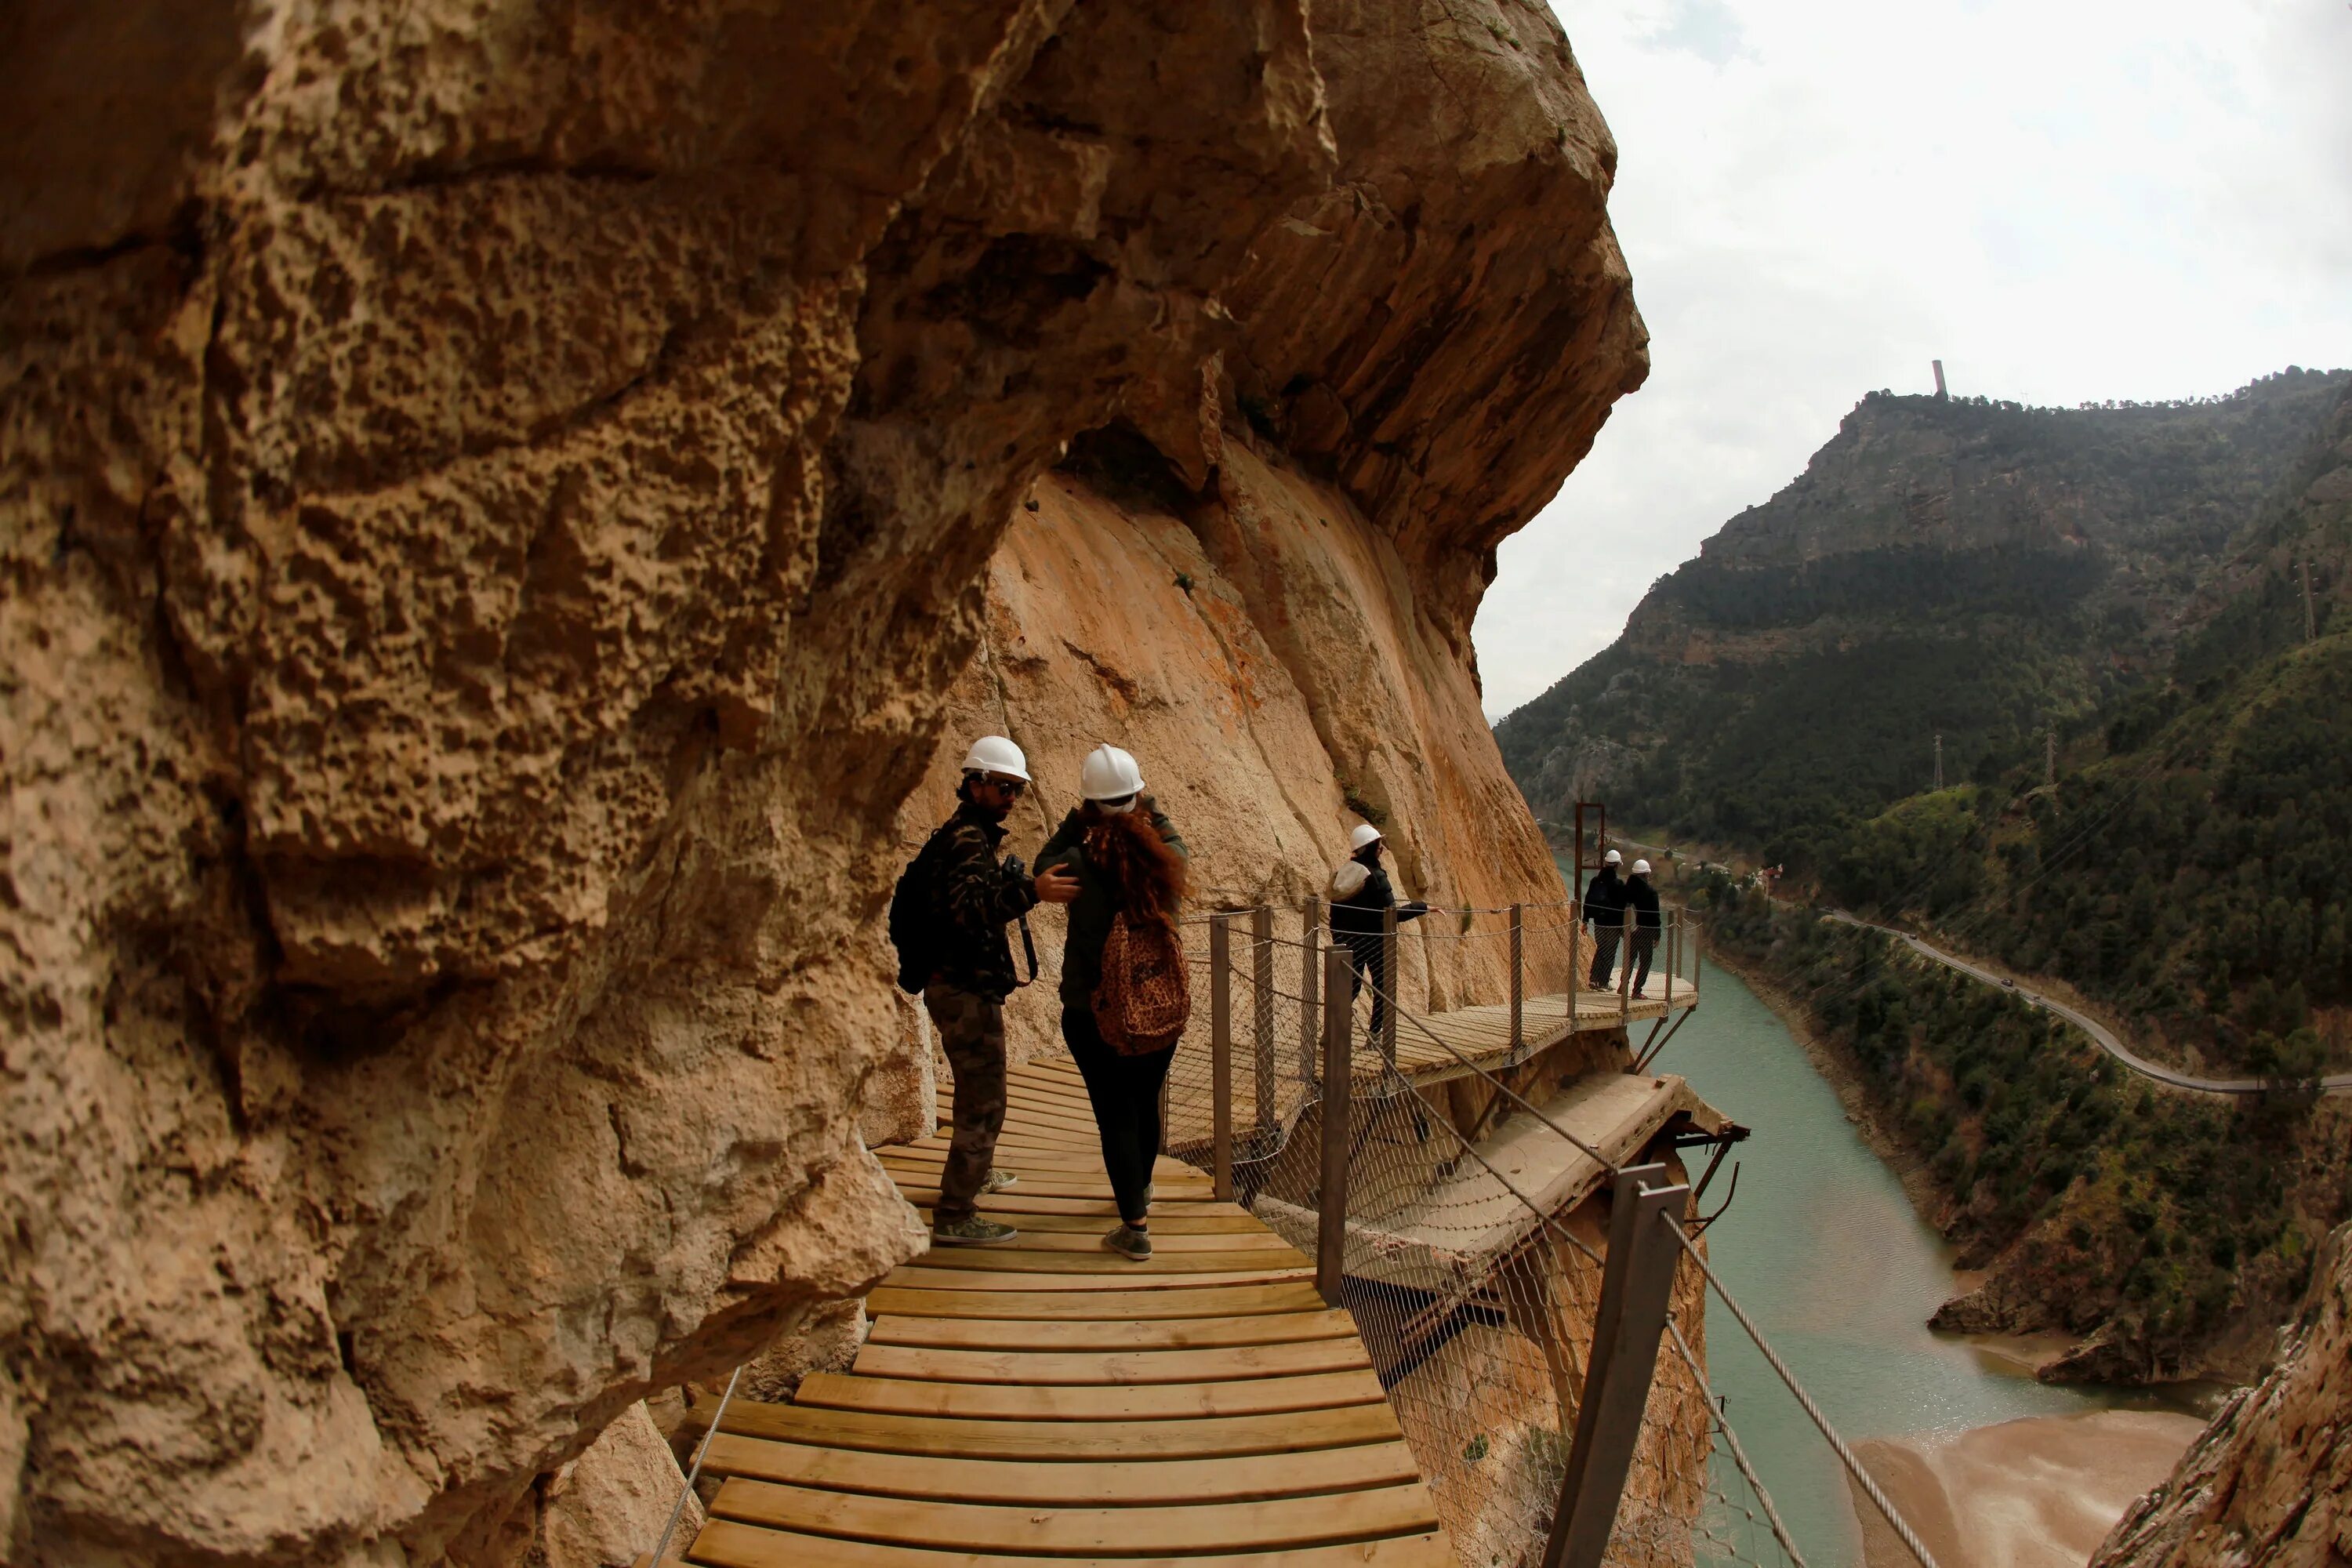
(2063, 200)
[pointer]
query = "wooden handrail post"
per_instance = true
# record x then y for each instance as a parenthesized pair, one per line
(1310, 983)
(1637, 1281)
(1575, 958)
(1518, 979)
(1390, 983)
(1338, 1093)
(1221, 1053)
(1674, 934)
(1262, 989)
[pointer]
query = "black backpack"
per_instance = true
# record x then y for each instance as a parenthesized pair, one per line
(912, 914)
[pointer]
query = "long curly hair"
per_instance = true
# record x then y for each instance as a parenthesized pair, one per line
(1147, 878)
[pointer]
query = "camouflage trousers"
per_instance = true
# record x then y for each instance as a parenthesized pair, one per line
(971, 1032)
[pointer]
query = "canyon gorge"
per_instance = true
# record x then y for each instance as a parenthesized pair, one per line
(504, 505)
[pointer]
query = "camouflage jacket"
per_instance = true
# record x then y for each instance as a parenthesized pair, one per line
(975, 895)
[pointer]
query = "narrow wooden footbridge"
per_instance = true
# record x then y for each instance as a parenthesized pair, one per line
(1049, 1401)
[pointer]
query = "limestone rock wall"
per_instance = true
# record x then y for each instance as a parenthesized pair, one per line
(2269, 1484)
(494, 498)
(1269, 658)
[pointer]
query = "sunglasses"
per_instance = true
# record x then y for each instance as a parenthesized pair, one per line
(1010, 786)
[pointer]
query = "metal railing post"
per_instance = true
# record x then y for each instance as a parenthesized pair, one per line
(1262, 989)
(1625, 967)
(1221, 1052)
(1310, 983)
(1519, 980)
(1338, 1093)
(1390, 983)
(1637, 1281)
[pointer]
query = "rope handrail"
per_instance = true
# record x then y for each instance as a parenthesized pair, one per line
(1812, 1411)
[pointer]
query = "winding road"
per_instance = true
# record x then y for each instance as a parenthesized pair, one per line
(2335, 1083)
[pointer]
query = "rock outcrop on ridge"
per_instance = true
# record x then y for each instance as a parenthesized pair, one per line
(496, 498)
(2269, 1484)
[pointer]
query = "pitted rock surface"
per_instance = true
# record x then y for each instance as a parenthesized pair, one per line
(497, 501)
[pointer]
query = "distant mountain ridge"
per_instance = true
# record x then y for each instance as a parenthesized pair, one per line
(1968, 566)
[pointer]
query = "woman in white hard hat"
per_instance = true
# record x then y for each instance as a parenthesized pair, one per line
(1360, 899)
(1129, 862)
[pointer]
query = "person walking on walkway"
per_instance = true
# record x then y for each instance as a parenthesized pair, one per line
(1643, 898)
(1604, 911)
(973, 895)
(1129, 863)
(1362, 896)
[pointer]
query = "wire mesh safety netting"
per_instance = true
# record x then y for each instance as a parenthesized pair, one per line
(1474, 1304)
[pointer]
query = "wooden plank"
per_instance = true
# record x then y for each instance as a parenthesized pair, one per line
(1197, 1302)
(1166, 1241)
(965, 1437)
(1131, 1277)
(1117, 1336)
(1178, 1222)
(1013, 1257)
(1080, 1532)
(725, 1544)
(1109, 1482)
(1086, 1402)
(1038, 1369)
(1167, 1171)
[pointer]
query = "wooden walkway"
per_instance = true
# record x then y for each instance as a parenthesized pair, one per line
(1049, 1401)
(1483, 1034)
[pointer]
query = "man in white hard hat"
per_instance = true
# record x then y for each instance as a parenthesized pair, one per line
(1360, 899)
(974, 894)
(1643, 898)
(1604, 911)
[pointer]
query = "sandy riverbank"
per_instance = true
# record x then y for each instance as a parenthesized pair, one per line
(2037, 1493)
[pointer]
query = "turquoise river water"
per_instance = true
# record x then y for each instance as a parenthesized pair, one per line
(1825, 1252)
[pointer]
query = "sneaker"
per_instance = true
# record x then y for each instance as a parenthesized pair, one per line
(1130, 1243)
(971, 1231)
(997, 1182)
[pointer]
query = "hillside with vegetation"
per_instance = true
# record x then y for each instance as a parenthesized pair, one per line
(1972, 568)
(2189, 873)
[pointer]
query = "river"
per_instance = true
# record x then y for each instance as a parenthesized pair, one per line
(1825, 1252)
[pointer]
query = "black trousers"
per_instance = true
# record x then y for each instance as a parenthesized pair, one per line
(1124, 1092)
(1370, 957)
(1605, 955)
(1645, 943)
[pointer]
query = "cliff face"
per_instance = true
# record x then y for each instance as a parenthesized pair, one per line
(2270, 1482)
(496, 499)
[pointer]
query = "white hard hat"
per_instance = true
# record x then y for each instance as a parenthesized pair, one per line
(1364, 833)
(1613, 859)
(1641, 868)
(995, 754)
(1108, 773)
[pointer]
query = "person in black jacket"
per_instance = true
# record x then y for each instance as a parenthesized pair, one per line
(975, 895)
(1358, 907)
(1643, 898)
(1604, 911)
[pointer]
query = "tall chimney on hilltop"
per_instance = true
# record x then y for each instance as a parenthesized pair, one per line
(1939, 377)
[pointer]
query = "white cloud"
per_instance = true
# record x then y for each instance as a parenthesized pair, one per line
(2061, 199)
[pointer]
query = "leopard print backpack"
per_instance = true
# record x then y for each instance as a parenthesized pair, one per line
(1143, 1000)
